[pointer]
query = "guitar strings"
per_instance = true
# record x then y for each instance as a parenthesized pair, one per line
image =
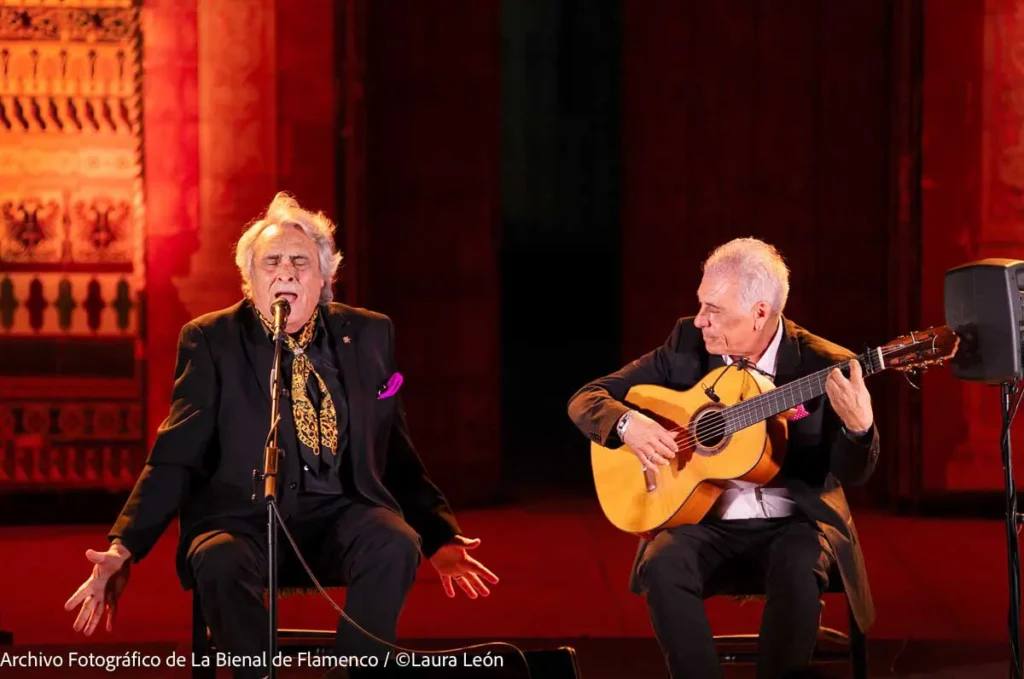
(746, 404)
(692, 437)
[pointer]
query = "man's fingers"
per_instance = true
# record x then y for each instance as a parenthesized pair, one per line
(476, 583)
(856, 373)
(95, 557)
(483, 571)
(669, 440)
(78, 596)
(446, 582)
(85, 613)
(661, 449)
(94, 620)
(466, 587)
(830, 388)
(649, 457)
(111, 614)
(837, 382)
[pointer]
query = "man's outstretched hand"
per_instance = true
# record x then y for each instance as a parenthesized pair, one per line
(101, 591)
(453, 562)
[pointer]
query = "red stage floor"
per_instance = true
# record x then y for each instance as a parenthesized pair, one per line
(939, 585)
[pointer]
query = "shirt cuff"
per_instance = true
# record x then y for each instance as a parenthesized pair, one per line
(861, 437)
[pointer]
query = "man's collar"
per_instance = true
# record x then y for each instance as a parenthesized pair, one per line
(768, 360)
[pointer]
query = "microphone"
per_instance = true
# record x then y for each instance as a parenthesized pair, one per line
(710, 391)
(280, 309)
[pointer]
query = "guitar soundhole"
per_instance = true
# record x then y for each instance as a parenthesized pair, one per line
(710, 429)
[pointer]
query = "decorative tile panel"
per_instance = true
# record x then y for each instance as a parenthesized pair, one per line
(72, 235)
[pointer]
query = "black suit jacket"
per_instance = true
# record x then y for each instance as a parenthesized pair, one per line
(820, 457)
(201, 464)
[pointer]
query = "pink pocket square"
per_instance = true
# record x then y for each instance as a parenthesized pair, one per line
(394, 383)
(798, 413)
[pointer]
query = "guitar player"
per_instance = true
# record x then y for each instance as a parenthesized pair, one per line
(795, 527)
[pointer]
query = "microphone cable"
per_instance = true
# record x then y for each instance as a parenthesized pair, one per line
(341, 612)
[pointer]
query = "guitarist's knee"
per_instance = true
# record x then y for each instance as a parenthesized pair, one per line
(666, 568)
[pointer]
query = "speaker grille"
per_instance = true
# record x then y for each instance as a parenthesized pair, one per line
(1020, 325)
(984, 303)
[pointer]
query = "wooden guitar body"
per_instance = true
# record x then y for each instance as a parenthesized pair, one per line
(639, 499)
(741, 435)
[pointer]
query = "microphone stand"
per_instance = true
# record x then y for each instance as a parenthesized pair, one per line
(1013, 521)
(271, 455)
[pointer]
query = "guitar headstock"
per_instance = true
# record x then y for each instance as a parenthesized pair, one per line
(921, 349)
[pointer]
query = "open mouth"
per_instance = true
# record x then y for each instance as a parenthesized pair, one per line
(290, 296)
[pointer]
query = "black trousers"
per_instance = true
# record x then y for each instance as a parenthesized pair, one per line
(680, 561)
(369, 549)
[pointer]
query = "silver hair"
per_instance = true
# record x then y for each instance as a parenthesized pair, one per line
(284, 210)
(757, 266)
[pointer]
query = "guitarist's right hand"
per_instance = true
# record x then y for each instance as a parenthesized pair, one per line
(649, 441)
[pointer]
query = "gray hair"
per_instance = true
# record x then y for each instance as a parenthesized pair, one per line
(757, 266)
(286, 211)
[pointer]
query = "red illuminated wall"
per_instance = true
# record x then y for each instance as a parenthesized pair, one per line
(242, 101)
(799, 126)
(172, 184)
(236, 109)
(973, 160)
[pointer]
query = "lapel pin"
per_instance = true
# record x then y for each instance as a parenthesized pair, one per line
(346, 339)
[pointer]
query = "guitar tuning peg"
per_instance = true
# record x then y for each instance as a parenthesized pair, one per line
(906, 374)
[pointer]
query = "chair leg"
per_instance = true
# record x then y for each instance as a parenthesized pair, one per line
(201, 646)
(858, 648)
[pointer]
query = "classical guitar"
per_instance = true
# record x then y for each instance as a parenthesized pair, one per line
(740, 436)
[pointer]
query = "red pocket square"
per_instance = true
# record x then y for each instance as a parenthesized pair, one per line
(391, 387)
(798, 413)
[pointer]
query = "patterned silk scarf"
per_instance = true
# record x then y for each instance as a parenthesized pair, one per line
(310, 425)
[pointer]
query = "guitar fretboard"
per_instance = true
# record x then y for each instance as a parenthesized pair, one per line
(771, 403)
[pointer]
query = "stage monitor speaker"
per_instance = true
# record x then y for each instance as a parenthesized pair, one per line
(983, 301)
(554, 663)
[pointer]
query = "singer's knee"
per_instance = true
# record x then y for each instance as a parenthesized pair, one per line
(224, 559)
(397, 547)
(388, 548)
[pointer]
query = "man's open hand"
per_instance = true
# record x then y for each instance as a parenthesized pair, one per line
(453, 562)
(103, 588)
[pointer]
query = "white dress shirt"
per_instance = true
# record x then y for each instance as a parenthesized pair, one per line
(746, 500)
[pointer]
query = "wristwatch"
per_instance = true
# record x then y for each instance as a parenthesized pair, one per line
(620, 428)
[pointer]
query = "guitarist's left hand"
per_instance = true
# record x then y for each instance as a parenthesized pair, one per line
(850, 398)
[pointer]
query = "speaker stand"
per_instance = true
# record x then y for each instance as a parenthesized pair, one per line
(1013, 520)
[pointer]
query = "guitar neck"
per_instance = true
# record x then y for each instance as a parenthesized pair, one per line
(790, 395)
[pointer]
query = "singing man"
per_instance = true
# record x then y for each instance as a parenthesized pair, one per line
(351, 487)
